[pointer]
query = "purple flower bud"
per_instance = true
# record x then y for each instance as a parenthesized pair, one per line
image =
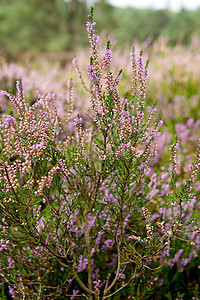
(74, 62)
(160, 123)
(10, 120)
(77, 121)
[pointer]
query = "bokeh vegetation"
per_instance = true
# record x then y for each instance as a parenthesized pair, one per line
(58, 25)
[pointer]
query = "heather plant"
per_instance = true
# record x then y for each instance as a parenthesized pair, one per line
(89, 213)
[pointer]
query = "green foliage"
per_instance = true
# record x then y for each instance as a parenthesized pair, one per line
(35, 25)
(57, 25)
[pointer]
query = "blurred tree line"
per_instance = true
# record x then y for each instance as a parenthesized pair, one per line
(59, 25)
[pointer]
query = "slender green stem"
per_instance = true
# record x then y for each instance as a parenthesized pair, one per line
(89, 248)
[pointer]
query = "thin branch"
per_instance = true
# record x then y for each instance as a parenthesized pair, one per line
(82, 285)
(122, 287)
(118, 270)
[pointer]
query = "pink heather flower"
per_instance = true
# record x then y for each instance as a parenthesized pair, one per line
(140, 67)
(117, 79)
(160, 123)
(9, 121)
(146, 73)
(19, 85)
(75, 292)
(96, 38)
(90, 26)
(37, 146)
(11, 291)
(97, 283)
(93, 76)
(74, 62)
(177, 256)
(175, 146)
(37, 104)
(190, 122)
(69, 84)
(180, 127)
(77, 121)
(107, 58)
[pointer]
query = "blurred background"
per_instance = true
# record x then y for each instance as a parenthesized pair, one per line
(59, 25)
(38, 40)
